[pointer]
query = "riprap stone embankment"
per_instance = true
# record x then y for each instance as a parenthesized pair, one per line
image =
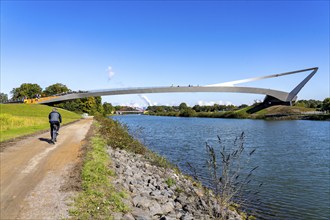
(159, 193)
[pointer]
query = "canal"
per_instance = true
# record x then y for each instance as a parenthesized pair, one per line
(292, 158)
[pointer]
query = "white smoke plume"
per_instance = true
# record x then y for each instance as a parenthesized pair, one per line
(110, 72)
(146, 99)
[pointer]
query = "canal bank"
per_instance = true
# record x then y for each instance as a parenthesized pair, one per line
(143, 185)
(159, 193)
(292, 156)
(270, 113)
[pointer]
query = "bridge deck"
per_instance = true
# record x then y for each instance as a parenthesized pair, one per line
(280, 95)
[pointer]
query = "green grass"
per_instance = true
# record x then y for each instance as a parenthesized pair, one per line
(280, 109)
(244, 110)
(291, 112)
(117, 136)
(170, 182)
(22, 119)
(98, 199)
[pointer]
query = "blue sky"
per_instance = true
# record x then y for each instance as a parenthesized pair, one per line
(158, 43)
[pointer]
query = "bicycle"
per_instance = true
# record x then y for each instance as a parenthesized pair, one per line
(55, 129)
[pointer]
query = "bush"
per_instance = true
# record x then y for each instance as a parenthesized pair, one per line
(187, 112)
(117, 136)
(226, 172)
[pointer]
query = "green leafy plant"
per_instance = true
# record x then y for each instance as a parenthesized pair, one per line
(170, 182)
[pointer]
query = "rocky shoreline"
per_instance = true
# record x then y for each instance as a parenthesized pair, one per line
(158, 193)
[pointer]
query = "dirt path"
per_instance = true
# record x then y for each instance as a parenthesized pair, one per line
(33, 170)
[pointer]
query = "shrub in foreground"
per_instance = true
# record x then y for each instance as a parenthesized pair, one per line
(230, 173)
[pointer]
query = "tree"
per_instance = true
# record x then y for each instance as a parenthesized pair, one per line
(215, 108)
(54, 89)
(183, 106)
(187, 112)
(300, 103)
(242, 106)
(3, 97)
(72, 105)
(117, 108)
(197, 108)
(311, 103)
(99, 106)
(159, 109)
(28, 90)
(90, 105)
(108, 108)
(326, 104)
(230, 107)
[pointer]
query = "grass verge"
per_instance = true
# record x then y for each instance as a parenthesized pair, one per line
(117, 136)
(98, 198)
(22, 119)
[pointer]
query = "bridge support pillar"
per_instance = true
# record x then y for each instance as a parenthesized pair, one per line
(268, 101)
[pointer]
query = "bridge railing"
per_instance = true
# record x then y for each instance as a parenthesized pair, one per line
(37, 100)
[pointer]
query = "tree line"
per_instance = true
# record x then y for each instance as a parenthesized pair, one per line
(184, 110)
(93, 105)
(217, 110)
(90, 105)
(317, 104)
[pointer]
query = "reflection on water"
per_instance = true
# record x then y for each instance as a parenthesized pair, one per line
(293, 157)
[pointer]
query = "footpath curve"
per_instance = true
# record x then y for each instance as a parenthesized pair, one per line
(31, 168)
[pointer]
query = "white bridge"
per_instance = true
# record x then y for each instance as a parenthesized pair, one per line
(275, 96)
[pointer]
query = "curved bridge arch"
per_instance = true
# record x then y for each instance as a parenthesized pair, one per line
(223, 87)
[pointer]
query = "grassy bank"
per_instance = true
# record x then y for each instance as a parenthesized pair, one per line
(224, 114)
(118, 137)
(271, 113)
(98, 198)
(22, 119)
(289, 113)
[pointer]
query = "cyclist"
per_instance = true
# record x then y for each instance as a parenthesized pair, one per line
(55, 118)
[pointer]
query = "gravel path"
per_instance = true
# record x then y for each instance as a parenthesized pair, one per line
(33, 171)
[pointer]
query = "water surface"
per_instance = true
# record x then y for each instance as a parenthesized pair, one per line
(293, 158)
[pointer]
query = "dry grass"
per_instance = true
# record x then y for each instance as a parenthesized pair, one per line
(9, 122)
(279, 109)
